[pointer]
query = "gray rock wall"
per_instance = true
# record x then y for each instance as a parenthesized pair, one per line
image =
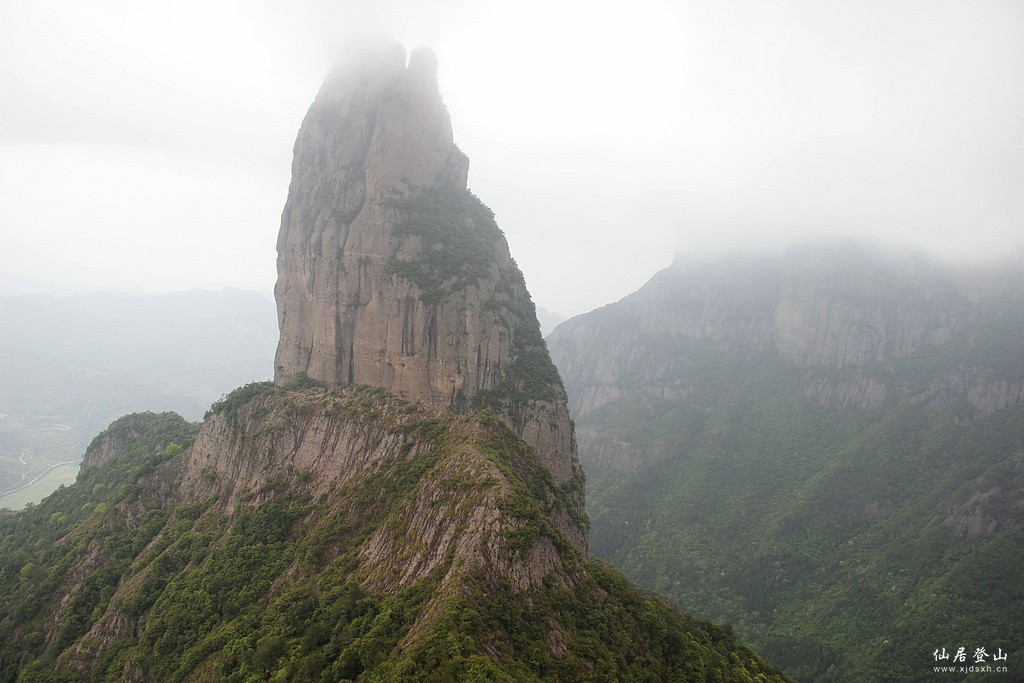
(392, 274)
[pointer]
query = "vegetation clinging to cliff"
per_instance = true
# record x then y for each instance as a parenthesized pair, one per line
(459, 240)
(274, 587)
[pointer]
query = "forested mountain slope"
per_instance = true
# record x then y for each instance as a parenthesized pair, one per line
(823, 448)
(327, 536)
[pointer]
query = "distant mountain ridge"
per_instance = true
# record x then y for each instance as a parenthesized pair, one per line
(548, 320)
(864, 329)
(199, 343)
(822, 447)
(80, 361)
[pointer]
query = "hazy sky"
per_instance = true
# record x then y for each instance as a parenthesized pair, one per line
(145, 146)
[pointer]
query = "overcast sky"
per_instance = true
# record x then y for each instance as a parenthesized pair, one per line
(145, 146)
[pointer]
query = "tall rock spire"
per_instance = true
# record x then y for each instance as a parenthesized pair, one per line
(391, 273)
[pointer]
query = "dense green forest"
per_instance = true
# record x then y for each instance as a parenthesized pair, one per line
(842, 548)
(145, 584)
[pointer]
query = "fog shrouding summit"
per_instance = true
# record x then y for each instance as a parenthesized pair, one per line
(392, 274)
(145, 148)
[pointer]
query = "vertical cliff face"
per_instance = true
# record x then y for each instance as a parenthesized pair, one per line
(376, 137)
(392, 274)
(862, 329)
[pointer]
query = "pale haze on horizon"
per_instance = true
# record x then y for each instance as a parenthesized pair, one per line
(147, 146)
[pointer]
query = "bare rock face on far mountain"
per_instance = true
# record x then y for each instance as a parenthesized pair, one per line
(392, 274)
(849, 319)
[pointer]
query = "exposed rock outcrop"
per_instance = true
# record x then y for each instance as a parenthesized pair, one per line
(392, 274)
(848, 318)
(130, 430)
(354, 439)
(996, 504)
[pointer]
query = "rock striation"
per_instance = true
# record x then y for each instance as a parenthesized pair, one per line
(848, 319)
(391, 273)
(355, 438)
